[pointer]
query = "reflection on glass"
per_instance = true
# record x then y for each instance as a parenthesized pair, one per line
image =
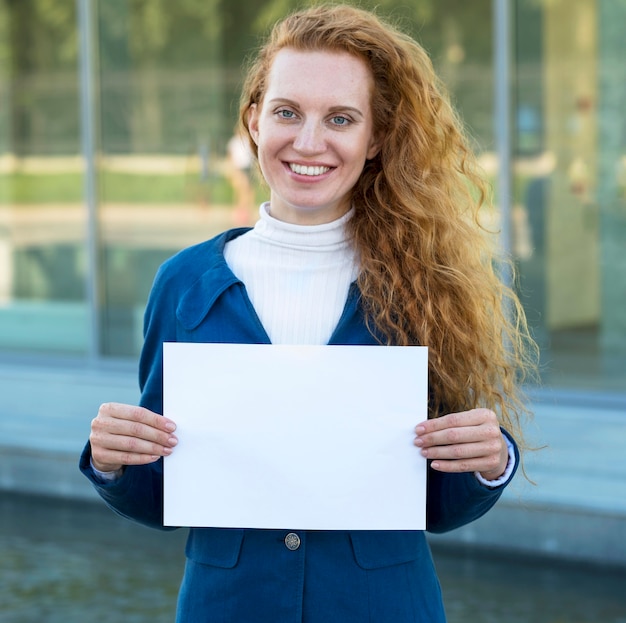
(42, 221)
(568, 260)
(164, 181)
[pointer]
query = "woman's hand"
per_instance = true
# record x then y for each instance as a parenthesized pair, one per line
(470, 441)
(129, 435)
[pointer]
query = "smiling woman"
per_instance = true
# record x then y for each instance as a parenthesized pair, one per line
(370, 237)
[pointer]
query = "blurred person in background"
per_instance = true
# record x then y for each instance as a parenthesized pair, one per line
(239, 169)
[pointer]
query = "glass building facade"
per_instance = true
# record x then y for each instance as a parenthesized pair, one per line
(116, 128)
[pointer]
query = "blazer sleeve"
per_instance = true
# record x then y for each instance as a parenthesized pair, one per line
(454, 500)
(138, 493)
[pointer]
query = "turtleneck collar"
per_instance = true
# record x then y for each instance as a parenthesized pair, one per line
(326, 236)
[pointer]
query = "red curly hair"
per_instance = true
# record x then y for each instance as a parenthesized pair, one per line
(427, 271)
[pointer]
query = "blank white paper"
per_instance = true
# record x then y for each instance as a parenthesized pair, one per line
(295, 437)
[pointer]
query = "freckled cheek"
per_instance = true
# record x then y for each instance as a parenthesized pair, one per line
(272, 167)
(272, 151)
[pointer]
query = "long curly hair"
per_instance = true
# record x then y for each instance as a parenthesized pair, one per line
(429, 273)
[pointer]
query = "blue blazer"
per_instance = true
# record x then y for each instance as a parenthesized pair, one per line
(241, 575)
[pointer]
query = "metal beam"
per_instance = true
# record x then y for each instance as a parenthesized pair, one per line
(86, 30)
(502, 33)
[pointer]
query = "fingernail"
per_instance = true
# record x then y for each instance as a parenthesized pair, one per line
(419, 441)
(172, 441)
(170, 427)
(167, 450)
(424, 452)
(435, 465)
(420, 429)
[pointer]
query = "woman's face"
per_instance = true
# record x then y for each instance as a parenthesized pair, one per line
(314, 132)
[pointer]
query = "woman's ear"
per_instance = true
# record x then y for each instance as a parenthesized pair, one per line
(253, 122)
(376, 142)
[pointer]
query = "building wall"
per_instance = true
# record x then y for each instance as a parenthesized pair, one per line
(74, 276)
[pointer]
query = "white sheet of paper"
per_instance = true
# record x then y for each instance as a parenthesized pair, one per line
(295, 437)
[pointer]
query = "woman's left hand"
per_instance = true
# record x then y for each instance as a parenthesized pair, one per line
(470, 441)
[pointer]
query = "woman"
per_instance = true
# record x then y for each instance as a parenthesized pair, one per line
(370, 236)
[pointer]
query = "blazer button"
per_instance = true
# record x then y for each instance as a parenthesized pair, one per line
(292, 541)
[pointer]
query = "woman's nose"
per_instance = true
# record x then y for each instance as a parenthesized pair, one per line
(310, 138)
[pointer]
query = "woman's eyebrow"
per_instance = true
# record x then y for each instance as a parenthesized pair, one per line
(335, 108)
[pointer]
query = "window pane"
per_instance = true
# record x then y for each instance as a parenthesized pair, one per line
(570, 216)
(165, 124)
(42, 220)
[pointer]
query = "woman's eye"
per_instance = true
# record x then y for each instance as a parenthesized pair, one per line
(340, 120)
(286, 114)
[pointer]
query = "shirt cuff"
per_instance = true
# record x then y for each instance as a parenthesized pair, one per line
(105, 477)
(510, 468)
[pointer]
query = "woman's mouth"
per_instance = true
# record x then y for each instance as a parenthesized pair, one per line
(301, 169)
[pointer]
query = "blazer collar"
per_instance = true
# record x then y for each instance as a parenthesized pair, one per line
(198, 299)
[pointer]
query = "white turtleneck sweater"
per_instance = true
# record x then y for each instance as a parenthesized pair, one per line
(297, 276)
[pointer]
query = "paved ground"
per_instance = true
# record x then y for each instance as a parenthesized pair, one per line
(577, 509)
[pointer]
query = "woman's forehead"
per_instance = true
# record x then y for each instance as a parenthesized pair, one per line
(319, 73)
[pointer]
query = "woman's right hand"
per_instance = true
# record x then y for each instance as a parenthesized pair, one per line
(129, 435)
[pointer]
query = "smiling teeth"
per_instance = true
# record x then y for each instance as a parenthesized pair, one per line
(303, 170)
